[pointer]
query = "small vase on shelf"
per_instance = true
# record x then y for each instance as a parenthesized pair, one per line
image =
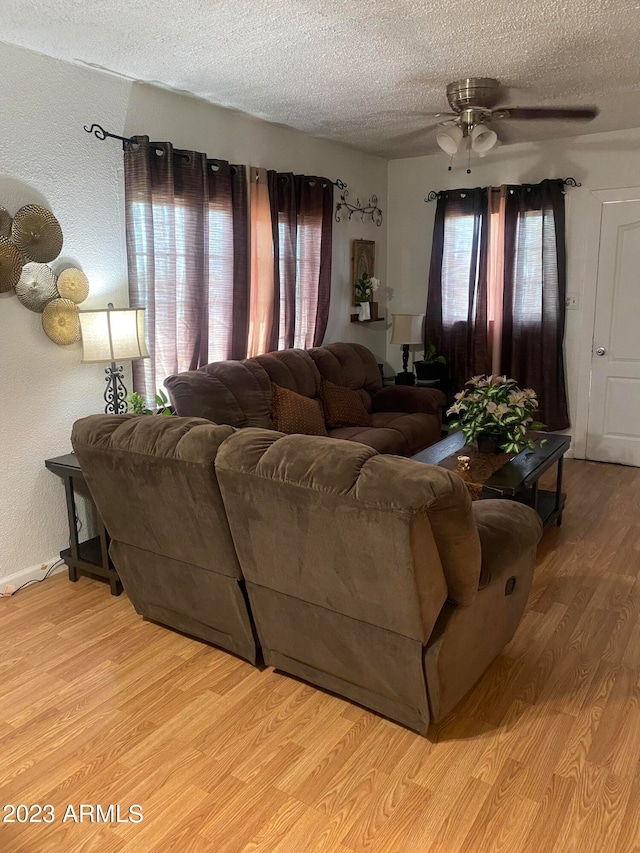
(365, 311)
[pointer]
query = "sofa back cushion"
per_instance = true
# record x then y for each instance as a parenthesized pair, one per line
(402, 537)
(237, 393)
(351, 365)
(155, 486)
(293, 369)
(295, 413)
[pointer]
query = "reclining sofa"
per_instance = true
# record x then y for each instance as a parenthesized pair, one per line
(222, 534)
(402, 420)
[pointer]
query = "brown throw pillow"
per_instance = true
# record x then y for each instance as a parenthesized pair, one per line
(294, 413)
(343, 407)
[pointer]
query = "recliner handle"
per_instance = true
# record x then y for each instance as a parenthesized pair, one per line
(510, 586)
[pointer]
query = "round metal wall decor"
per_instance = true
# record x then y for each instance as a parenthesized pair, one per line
(11, 262)
(37, 233)
(73, 284)
(37, 287)
(5, 222)
(61, 322)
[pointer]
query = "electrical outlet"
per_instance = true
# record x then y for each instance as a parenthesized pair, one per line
(572, 301)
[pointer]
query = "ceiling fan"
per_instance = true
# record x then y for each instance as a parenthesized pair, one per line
(474, 105)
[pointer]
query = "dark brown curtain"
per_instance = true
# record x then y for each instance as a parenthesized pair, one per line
(456, 314)
(302, 206)
(187, 255)
(534, 295)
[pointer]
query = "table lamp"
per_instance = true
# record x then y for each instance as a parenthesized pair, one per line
(407, 330)
(113, 334)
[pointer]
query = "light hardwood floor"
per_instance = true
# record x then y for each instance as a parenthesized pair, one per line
(98, 706)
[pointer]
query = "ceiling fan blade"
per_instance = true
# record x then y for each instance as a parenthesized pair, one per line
(582, 113)
(411, 136)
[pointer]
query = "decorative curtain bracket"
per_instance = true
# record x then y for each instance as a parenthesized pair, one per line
(100, 133)
(568, 182)
(371, 210)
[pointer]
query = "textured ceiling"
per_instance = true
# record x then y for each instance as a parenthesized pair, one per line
(354, 71)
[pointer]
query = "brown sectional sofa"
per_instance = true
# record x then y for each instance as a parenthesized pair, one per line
(214, 530)
(404, 420)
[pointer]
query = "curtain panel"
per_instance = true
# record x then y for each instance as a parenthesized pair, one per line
(534, 295)
(456, 315)
(302, 206)
(497, 285)
(228, 260)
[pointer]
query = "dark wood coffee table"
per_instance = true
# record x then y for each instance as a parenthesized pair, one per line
(518, 478)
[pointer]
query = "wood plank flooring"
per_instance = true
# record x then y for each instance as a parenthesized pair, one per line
(99, 707)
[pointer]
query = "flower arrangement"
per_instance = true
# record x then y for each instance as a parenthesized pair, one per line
(496, 405)
(365, 287)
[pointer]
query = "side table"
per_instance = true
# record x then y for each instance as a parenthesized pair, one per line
(90, 557)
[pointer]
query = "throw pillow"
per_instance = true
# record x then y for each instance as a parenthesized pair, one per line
(295, 413)
(342, 406)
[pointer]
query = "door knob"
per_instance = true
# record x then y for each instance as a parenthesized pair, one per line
(600, 351)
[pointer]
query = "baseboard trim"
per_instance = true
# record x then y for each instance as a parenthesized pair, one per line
(33, 573)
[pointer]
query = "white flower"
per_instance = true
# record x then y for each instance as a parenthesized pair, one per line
(492, 408)
(374, 283)
(517, 397)
(460, 395)
(501, 409)
(475, 380)
(456, 409)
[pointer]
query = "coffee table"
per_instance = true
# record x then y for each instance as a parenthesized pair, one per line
(518, 478)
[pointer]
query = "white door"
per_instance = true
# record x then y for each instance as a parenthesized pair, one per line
(614, 403)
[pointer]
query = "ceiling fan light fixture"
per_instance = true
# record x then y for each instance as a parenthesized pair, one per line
(449, 140)
(483, 139)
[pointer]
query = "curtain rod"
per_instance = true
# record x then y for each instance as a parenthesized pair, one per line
(100, 133)
(434, 194)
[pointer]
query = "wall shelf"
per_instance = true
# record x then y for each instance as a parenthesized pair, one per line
(355, 319)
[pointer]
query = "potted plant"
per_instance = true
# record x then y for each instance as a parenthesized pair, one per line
(432, 365)
(496, 413)
(365, 287)
(138, 405)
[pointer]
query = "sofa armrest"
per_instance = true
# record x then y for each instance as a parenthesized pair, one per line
(408, 398)
(508, 530)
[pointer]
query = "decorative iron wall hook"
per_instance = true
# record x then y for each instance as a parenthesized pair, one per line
(371, 210)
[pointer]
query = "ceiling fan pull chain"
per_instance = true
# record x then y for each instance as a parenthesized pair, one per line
(468, 159)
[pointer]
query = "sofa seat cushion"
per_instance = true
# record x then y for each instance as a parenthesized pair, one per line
(295, 413)
(342, 406)
(382, 440)
(419, 430)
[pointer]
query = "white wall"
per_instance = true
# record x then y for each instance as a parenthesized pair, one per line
(47, 158)
(598, 161)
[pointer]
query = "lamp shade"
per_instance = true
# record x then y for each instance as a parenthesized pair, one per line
(483, 138)
(113, 334)
(449, 140)
(407, 328)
